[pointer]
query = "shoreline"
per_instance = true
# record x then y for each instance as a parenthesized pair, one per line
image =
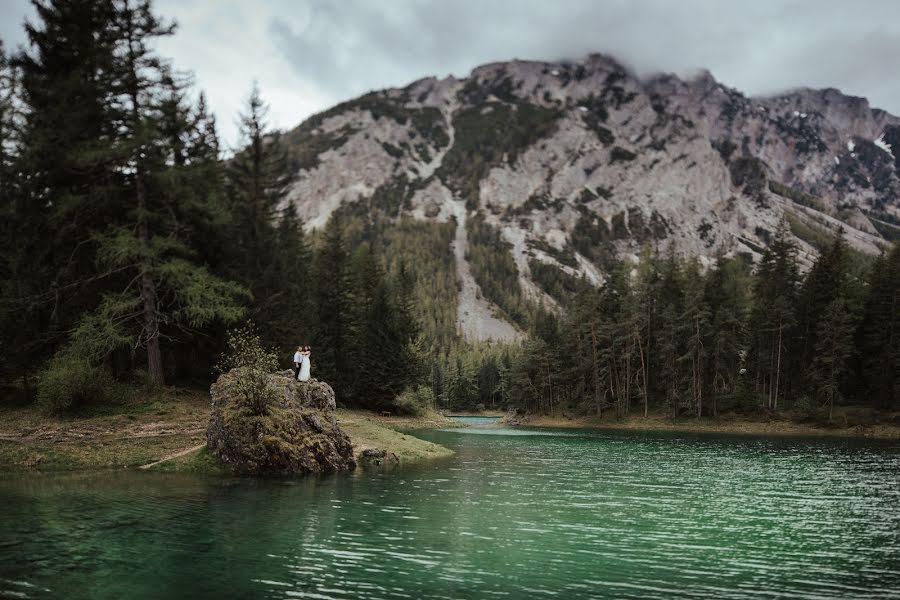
(165, 431)
(722, 425)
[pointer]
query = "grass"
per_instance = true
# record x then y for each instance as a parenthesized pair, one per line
(143, 428)
(366, 430)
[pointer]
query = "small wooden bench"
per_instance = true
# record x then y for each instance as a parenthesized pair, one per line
(385, 413)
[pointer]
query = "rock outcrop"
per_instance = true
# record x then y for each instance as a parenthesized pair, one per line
(296, 434)
(378, 457)
(570, 163)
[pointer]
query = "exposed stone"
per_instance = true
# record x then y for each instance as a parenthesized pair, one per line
(297, 434)
(378, 457)
(692, 156)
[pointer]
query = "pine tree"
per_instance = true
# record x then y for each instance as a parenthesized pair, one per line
(644, 318)
(288, 310)
(834, 343)
(670, 330)
(66, 83)
(880, 328)
(333, 308)
(695, 325)
(727, 295)
(164, 290)
(773, 318)
(258, 177)
(826, 281)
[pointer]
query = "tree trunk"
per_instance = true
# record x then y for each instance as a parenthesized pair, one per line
(596, 369)
(777, 368)
(148, 295)
(643, 367)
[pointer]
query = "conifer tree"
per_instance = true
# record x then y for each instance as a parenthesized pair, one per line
(66, 79)
(880, 328)
(695, 325)
(163, 289)
(834, 343)
(727, 295)
(333, 302)
(826, 281)
(773, 318)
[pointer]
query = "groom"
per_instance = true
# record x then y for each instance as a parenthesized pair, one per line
(298, 361)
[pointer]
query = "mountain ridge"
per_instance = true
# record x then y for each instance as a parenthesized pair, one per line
(570, 164)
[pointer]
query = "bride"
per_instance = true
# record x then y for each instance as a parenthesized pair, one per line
(304, 364)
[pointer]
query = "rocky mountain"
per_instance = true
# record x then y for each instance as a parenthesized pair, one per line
(567, 164)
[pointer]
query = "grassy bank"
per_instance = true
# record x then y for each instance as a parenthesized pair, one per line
(165, 430)
(777, 425)
(367, 430)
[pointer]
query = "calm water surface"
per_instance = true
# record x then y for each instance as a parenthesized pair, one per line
(514, 514)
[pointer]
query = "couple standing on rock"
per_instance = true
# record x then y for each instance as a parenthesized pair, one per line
(301, 363)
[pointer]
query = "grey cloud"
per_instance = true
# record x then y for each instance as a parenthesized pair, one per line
(350, 47)
(310, 54)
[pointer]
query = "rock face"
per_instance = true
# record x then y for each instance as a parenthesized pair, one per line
(297, 435)
(571, 162)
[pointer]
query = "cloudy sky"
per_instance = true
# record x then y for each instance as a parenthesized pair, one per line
(310, 54)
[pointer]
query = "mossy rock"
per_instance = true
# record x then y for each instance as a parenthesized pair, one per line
(296, 434)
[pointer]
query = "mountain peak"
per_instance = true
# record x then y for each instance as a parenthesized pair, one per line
(565, 165)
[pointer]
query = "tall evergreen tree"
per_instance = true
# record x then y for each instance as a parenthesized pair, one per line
(826, 281)
(68, 160)
(260, 254)
(773, 317)
(114, 180)
(333, 307)
(880, 328)
(834, 343)
(727, 295)
(695, 326)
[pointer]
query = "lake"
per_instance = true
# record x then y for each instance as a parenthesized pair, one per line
(514, 514)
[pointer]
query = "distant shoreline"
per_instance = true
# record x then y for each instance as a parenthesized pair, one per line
(725, 425)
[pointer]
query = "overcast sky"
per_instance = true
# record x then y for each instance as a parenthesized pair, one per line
(310, 54)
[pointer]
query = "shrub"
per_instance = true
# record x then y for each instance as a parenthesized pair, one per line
(804, 410)
(252, 365)
(414, 400)
(71, 382)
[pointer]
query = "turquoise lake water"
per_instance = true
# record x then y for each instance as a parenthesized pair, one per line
(514, 514)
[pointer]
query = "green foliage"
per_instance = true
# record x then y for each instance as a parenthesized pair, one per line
(797, 196)
(833, 345)
(70, 382)
(817, 237)
(494, 269)
(553, 280)
(415, 400)
(251, 365)
(879, 340)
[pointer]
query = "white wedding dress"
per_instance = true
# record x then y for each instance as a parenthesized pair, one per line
(304, 369)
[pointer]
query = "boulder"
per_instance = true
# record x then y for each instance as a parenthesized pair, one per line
(296, 433)
(378, 457)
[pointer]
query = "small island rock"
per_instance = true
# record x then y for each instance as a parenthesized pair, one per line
(296, 434)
